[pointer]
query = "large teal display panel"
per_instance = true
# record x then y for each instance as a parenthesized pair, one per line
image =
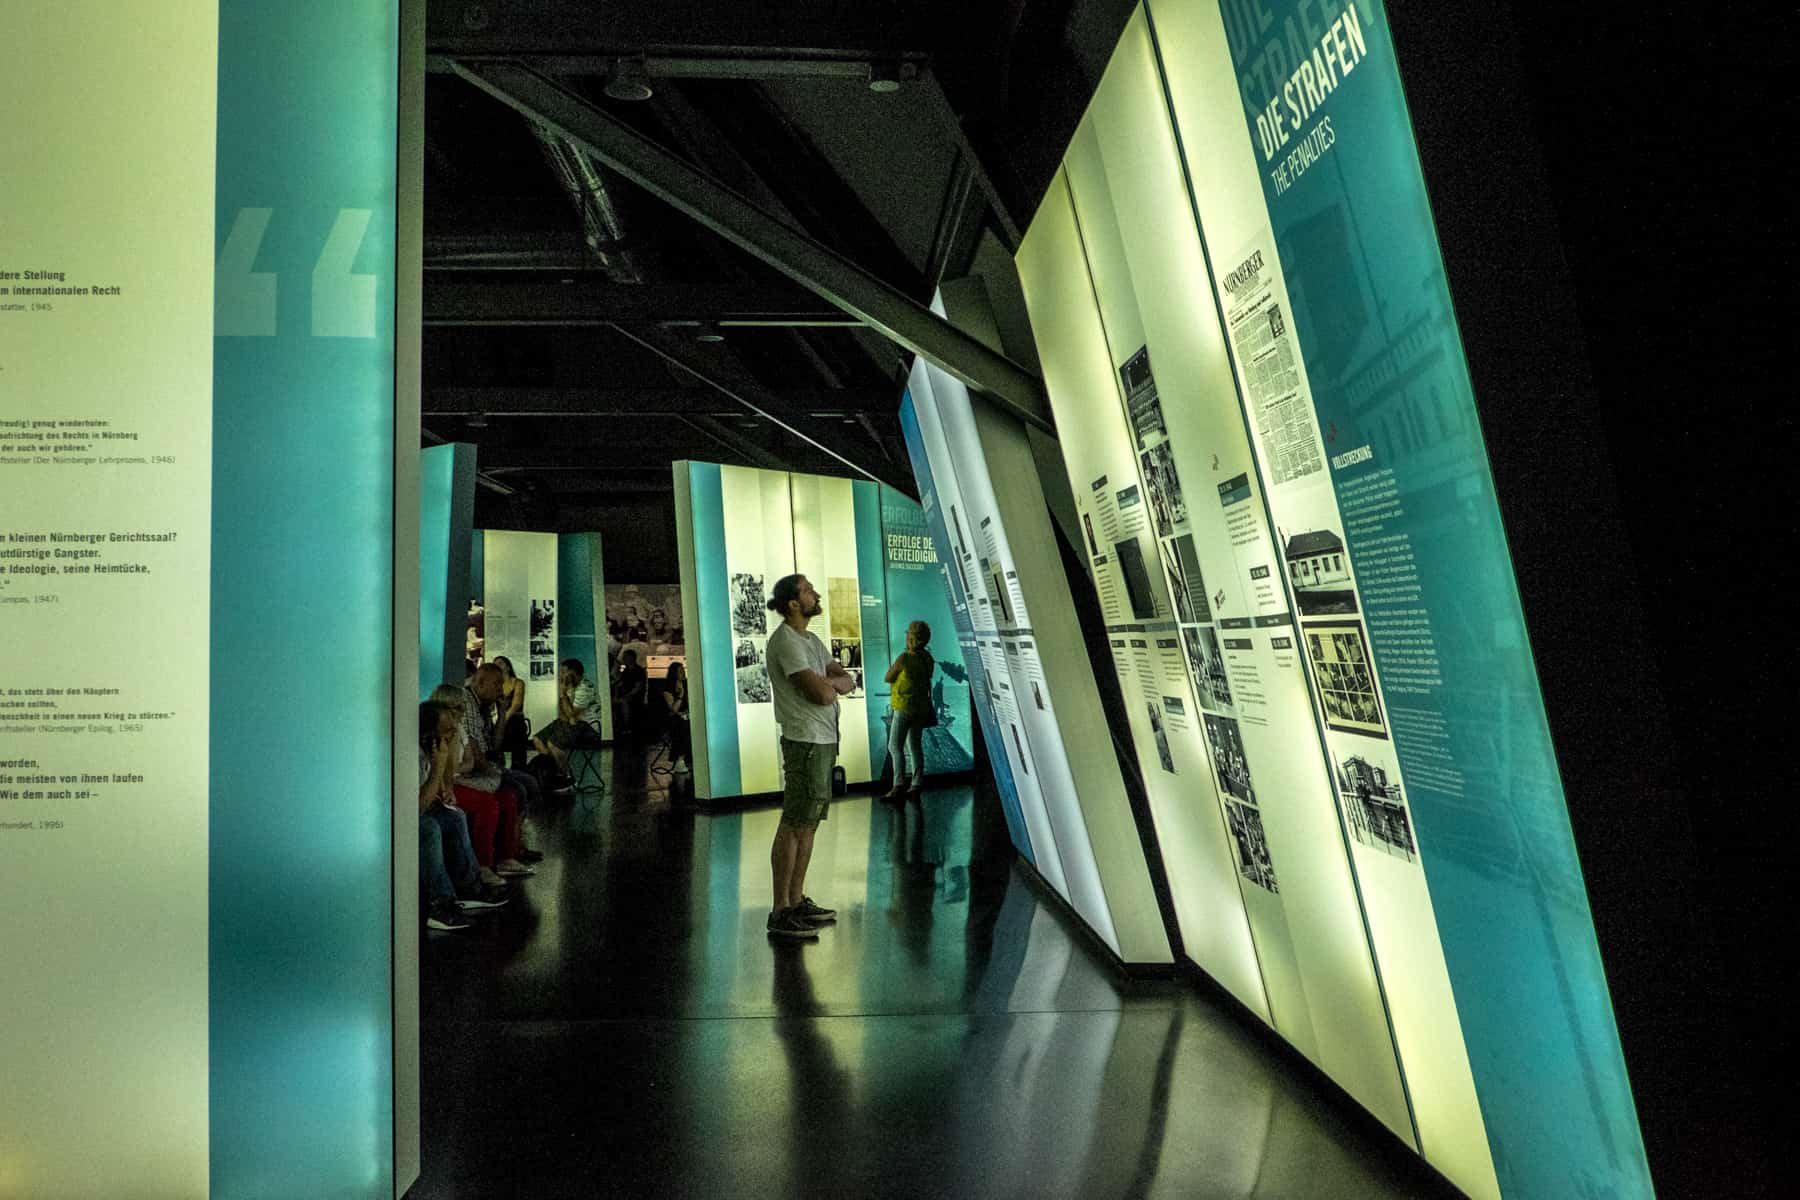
(446, 519)
(917, 588)
(302, 610)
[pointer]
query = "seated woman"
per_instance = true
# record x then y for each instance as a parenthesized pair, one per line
(481, 792)
(447, 868)
(910, 676)
(681, 737)
(511, 733)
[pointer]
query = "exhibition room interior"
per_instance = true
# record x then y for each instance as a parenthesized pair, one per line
(1322, 445)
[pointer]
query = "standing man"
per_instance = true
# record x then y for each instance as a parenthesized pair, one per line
(806, 683)
(630, 692)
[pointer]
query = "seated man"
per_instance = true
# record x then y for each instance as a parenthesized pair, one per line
(577, 723)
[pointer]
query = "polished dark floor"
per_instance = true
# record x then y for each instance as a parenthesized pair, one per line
(626, 1028)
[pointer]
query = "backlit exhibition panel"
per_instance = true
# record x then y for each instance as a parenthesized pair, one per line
(1047, 733)
(739, 529)
(446, 521)
(198, 460)
(1244, 201)
(532, 601)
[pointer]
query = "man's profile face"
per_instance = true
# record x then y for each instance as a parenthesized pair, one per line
(807, 598)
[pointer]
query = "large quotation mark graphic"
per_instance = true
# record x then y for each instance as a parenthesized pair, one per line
(343, 302)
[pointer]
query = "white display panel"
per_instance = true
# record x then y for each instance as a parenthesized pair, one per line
(759, 549)
(824, 519)
(1040, 680)
(106, 362)
(519, 590)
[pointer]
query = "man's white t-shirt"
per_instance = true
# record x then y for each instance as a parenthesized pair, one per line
(800, 719)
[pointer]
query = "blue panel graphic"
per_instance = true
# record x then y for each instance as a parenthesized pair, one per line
(964, 631)
(871, 570)
(437, 472)
(1372, 311)
(575, 555)
(713, 599)
(301, 1052)
(918, 590)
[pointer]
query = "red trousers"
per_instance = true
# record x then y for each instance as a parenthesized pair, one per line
(493, 823)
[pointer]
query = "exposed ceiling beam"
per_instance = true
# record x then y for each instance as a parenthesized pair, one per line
(728, 214)
(798, 30)
(826, 436)
(615, 402)
(591, 301)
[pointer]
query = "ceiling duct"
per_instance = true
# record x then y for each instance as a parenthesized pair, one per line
(600, 225)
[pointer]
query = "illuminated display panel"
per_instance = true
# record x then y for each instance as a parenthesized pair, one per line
(221, 334)
(1245, 201)
(1046, 731)
(739, 529)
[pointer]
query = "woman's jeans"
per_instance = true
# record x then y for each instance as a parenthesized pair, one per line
(447, 865)
(906, 730)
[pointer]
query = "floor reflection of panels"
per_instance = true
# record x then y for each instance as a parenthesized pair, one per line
(625, 1028)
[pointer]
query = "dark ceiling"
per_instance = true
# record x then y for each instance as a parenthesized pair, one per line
(584, 334)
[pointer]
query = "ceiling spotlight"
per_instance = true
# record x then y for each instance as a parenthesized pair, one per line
(710, 335)
(884, 77)
(629, 80)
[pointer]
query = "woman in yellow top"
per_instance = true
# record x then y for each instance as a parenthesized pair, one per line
(911, 678)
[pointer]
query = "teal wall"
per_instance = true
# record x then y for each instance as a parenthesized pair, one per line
(300, 1069)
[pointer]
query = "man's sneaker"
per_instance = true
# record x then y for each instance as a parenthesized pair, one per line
(487, 898)
(813, 913)
(512, 866)
(528, 855)
(444, 914)
(788, 924)
(488, 877)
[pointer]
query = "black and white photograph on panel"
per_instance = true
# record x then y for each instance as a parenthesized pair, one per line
(752, 677)
(1161, 735)
(543, 668)
(1140, 396)
(848, 652)
(1232, 768)
(1179, 599)
(1254, 863)
(1374, 808)
(543, 618)
(1320, 573)
(1345, 677)
(1167, 506)
(749, 605)
(1130, 557)
(1187, 561)
(1207, 660)
(542, 648)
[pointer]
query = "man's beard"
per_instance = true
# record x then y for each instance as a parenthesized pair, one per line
(818, 606)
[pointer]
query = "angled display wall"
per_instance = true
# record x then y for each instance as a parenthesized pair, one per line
(1052, 754)
(446, 521)
(1254, 366)
(739, 529)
